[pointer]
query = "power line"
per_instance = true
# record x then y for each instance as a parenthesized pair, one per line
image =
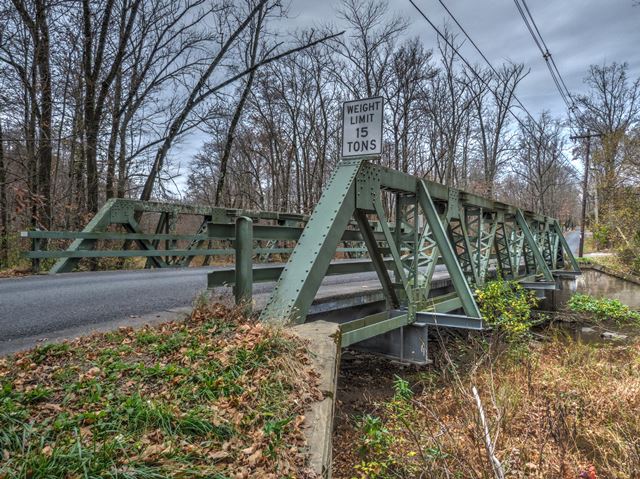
(531, 25)
(484, 57)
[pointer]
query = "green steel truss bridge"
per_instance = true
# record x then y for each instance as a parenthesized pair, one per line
(349, 231)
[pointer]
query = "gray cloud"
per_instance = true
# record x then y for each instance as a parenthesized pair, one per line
(578, 33)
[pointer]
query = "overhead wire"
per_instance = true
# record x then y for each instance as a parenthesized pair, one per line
(550, 62)
(484, 82)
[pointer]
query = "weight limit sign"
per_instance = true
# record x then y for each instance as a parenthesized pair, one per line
(362, 127)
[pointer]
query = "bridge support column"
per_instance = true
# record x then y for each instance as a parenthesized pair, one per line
(407, 344)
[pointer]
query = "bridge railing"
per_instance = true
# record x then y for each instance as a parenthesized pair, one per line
(38, 237)
(274, 233)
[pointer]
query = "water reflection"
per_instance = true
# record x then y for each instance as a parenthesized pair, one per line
(601, 285)
(595, 283)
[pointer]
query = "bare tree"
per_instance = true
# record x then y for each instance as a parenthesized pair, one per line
(492, 105)
(411, 70)
(4, 207)
(251, 55)
(367, 49)
(100, 70)
(539, 164)
(611, 109)
(199, 93)
(448, 105)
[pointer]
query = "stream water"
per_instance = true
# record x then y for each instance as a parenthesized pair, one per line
(601, 285)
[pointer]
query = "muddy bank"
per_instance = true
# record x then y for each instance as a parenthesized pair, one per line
(365, 381)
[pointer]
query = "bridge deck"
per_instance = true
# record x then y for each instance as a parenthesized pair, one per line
(33, 308)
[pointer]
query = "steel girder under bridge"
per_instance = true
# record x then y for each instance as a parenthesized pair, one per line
(432, 223)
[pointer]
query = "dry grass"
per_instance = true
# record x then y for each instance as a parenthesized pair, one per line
(552, 412)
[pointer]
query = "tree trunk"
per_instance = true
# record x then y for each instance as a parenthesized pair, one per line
(122, 156)
(91, 157)
(224, 160)
(46, 112)
(113, 137)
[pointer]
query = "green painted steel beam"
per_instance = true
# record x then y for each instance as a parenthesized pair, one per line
(533, 246)
(377, 260)
(263, 274)
(398, 267)
(135, 253)
(449, 320)
(565, 247)
(381, 324)
(243, 287)
(458, 279)
(362, 322)
(100, 221)
(301, 277)
(112, 236)
(444, 304)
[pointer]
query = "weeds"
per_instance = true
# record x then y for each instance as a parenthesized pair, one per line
(602, 309)
(567, 408)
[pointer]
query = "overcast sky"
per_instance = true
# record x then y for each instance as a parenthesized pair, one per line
(578, 33)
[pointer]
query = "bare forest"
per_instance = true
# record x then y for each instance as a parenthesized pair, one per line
(100, 99)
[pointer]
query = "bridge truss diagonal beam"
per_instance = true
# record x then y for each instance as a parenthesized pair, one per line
(301, 277)
(431, 223)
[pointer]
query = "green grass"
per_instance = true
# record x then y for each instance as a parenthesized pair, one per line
(158, 402)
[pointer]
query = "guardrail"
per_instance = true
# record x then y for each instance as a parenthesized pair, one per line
(273, 233)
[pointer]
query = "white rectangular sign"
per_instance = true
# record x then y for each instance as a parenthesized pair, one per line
(362, 127)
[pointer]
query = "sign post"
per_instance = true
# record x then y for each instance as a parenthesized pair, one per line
(362, 127)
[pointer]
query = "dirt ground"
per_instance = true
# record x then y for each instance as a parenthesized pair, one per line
(364, 381)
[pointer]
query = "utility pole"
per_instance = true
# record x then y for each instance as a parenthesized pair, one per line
(585, 185)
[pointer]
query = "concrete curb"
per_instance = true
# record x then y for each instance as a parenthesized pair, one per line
(318, 425)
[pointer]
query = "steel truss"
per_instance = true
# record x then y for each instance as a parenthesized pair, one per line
(214, 225)
(475, 238)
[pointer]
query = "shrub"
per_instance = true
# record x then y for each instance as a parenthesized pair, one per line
(601, 235)
(602, 309)
(507, 306)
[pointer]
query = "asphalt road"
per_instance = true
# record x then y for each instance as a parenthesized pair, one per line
(573, 239)
(33, 308)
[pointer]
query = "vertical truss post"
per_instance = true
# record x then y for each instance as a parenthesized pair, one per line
(533, 246)
(503, 254)
(243, 288)
(554, 243)
(35, 262)
(446, 251)
(171, 227)
(456, 218)
(516, 247)
(485, 245)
